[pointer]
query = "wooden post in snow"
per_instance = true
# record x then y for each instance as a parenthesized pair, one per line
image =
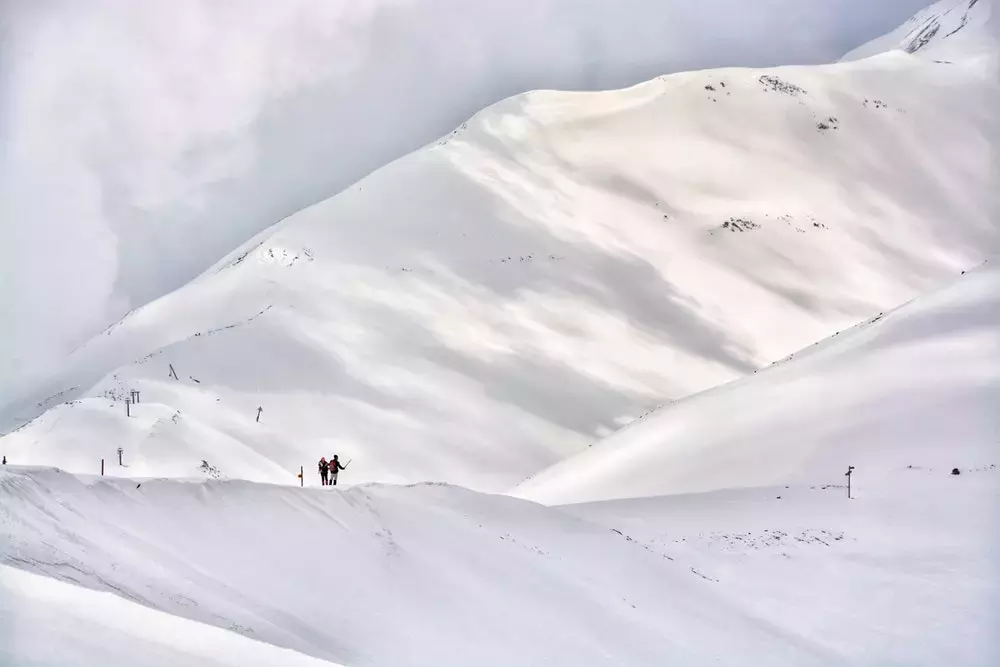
(302, 476)
(128, 407)
(102, 467)
(173, 373)
(119, 456)
(850, 469)
(259, 410)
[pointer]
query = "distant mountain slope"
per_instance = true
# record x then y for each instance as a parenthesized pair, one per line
(916, 387)
(963, 24)
(141, 141)
(558, 265)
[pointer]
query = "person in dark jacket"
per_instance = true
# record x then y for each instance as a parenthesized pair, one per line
(335, 467)
(324, 472)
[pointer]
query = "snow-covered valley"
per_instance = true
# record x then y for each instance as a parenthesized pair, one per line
(598, 361)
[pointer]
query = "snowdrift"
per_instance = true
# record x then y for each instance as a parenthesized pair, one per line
(916, 387)
(45, 621)
(556, 267)
(438, 575)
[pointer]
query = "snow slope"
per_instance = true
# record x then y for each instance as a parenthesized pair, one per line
(139, 142)
(946, 28)
(916, 387)
(45, 621)
(437, 575)
(557, 266)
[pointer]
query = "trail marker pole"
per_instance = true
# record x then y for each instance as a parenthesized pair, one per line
(259, 410)
(102, 467)
(173, 373)
(850, 469)
(302, 476)
(128, 407)
(119, 456)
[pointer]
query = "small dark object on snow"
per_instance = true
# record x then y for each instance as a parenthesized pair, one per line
(5, 460)
(138, 485)
(956, 471)
(778, 498)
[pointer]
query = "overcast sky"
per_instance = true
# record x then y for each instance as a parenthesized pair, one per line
(141, 141)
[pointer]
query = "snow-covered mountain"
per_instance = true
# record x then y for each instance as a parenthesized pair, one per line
(141, 141)
(913, 388)
(932, 30)
(560, 264)
(488, 307)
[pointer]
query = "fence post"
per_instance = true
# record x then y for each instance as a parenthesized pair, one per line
(128, 407)
(850, 469)
(302, 476)
(102, 467)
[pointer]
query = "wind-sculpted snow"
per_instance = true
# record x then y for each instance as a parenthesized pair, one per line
(439, 575)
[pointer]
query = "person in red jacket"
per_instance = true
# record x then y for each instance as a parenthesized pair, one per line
(335, 467)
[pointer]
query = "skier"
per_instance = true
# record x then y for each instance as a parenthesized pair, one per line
(335, 467)
(324, 471)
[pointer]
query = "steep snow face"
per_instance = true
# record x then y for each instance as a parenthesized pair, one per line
(945, 28)
(143, 141)
(555, 267)
(436, 575)
(916, 388)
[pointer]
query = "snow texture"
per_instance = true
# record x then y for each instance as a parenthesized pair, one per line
(438, 575)
(915, 387)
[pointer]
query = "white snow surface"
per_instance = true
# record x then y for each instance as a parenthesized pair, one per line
(554, 268)
(438, 575)
(48, 622)
(918, 387)
(141, 141)
(946, 28)
(690, 235)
